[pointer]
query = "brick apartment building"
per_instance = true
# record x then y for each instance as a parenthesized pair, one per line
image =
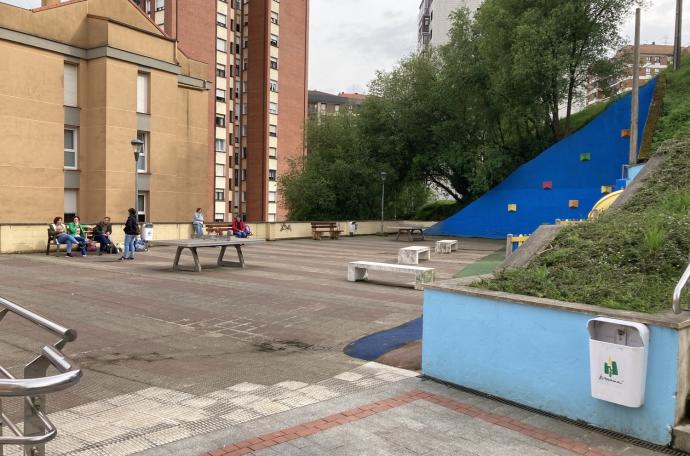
(653, 59)
(257, 56)
(323, 103)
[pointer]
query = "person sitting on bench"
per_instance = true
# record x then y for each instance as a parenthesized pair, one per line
(239, 228)
(59, 230)
(78, 232)
(101, 234)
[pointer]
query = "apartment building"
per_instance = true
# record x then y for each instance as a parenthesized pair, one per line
(434, 21)
(257, 55)
(98, 74)
(324, 103)
(654, 58)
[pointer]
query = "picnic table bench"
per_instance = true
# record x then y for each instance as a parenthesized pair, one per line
(194, 244)
(218, 229)
(318, 229)
(409, 230)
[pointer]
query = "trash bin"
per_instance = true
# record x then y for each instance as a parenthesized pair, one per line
(147, 232)
(352, 228)
(618, 360)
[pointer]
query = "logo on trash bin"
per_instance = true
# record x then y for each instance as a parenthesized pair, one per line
(610, 368)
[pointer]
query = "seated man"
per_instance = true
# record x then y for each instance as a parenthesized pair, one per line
(58, 230)
(239, 228)
(101, 234)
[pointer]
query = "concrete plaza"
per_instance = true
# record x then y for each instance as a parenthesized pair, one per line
(186, 363)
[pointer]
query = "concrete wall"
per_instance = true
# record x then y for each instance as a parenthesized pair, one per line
(539, 356)
(24, 238)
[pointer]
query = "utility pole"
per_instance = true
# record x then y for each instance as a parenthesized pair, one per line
(632, 156)
(677, 45)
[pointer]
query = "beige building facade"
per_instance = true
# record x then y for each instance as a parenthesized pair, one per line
(79, 81)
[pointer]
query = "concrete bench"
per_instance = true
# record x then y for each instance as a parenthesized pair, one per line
(412, 255)
(446, 246)
(358, 270)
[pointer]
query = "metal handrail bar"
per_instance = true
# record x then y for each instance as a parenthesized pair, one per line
(37, 386)
(56, 358)
(678, 291)
(68, 334)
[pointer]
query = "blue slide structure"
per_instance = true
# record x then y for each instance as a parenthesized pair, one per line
(563, 182)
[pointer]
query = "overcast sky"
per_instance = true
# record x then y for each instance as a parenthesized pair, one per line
(351, 39)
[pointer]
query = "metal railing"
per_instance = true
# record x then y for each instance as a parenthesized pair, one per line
(680, 286)
(36, 384)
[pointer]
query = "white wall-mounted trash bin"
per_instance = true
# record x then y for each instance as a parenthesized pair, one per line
(352, 228)
(147, 232)
(618, 360)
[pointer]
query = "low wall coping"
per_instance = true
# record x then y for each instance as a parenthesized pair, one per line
(461, 286)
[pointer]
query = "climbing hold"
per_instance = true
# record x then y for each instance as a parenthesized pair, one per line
(625, 133)
(585, 156)
(512, 208)
(547, 185)
(573, 204)
(606, 189)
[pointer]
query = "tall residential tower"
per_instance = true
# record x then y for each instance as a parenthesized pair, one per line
(257, 55)
(434, 19)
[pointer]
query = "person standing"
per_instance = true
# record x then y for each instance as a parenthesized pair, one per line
(198, 223)
(131, 232)
(78, 232)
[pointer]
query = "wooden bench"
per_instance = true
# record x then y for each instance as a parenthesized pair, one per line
(359, 270)
(53, 241)
(219, 229)
(446, 246)
(412, 254)
(318, 229)
(409, 230)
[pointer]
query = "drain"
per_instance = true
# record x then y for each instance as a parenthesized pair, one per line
(612, 434)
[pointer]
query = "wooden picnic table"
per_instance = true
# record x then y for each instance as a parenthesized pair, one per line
(222, 242)
(410, 230)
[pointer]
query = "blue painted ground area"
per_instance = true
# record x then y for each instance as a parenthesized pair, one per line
(544, 188)
(372, 347)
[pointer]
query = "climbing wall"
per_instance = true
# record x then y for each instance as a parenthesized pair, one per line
(563, 182)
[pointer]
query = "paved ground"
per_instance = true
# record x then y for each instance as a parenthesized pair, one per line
(223, 361)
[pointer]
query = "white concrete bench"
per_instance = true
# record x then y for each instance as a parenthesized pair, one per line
(412, 255)
(358, 270)
(446, 246)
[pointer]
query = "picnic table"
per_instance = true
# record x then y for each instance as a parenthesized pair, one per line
(409, 230)
(222, 242)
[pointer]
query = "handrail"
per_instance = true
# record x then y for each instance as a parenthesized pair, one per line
(68, 334)
(678, 291)
(37, 429)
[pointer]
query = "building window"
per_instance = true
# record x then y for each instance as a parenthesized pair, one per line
(160, 5)
(220, 71)
(142, 200)
(273, 131)
(245, 44)
(219, 218)
(244, 178)
(274, 40)
(274, 17)
(237, 158)
(272, 174)
(244, 152)
(70, 88)
(220, 194)
(273, 152)
(244, 109)
(220, 145)
(221, 45)
(70, 205)
(271, 197)
(244, 131)
(237, 178)
(221, 20)
(274, 63)
(245, 64)
(143, 81)
(143, 163)
(220, 95)
(70, 148)
(273, 108)
(273, 85)
(337, 108)
(220, 120)
(271, 218)
(244, 86)
(220, 170)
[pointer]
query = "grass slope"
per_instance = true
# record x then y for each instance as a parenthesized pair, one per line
(630, 258)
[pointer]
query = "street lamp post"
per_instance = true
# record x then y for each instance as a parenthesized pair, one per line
(383, 192)
(137, 145)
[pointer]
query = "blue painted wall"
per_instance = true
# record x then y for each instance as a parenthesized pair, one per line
(539, 357)
(488, 217)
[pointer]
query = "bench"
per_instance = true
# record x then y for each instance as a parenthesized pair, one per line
(409, 230)
(446, 246)
(53, 241)
(359, 270)
(318, 229)
(412, 255)
(219, 229)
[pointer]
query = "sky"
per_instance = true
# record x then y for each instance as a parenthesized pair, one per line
(352, 39)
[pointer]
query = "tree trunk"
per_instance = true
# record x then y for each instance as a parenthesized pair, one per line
(571, 91)
(448, 190)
